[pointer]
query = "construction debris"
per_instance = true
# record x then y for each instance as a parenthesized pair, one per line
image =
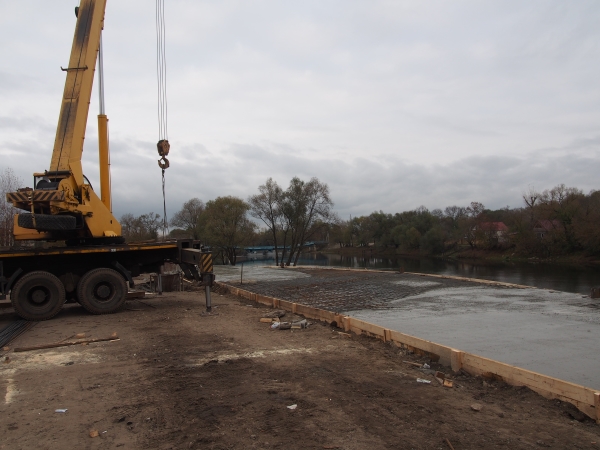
(413, 364)
(65, 344)
(13, 330)
(300, 324)
(275, 314)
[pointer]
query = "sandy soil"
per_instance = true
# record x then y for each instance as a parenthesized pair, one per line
(179, 378)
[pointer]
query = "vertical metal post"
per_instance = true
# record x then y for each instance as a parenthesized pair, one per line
(208, 300)
(242, 274)
(160, 291)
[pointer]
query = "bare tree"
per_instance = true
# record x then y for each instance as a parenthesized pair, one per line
(188, 217)
(9, 182)
(470, 222)
(303, 205)
(530, 197)
(140, 228)
(563, 203)
(266, 206)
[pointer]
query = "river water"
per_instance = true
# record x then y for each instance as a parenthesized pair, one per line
(566, 278)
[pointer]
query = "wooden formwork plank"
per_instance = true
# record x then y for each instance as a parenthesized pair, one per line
(328, 316)
(264, 300)
(387, 335)
(359, 326)
(315, 313)
(339, 320)
(456, 360)
(285, 305)
(430, 347)
(346, 323)
(244, 294)
(517, 376)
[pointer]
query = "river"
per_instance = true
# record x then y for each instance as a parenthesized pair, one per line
(566, 278)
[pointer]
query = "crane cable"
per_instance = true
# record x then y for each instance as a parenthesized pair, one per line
(161, 74)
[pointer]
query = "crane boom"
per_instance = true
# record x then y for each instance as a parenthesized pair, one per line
(70, 132)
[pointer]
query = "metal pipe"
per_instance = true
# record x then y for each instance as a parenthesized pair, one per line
(101, 76)
(103, 150)
(208, 300)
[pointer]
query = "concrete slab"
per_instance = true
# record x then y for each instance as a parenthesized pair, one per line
(545, 331)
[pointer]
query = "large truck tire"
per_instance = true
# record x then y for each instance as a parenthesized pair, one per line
(102, 291)
(47, 222)
(38, 295)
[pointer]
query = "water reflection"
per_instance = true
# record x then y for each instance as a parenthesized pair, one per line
(577, 279)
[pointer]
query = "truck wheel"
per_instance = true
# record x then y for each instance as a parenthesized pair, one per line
(38, 295)
(102, 291)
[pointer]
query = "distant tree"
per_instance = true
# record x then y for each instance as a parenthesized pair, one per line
(303, 205)
(226, 225)
(530, 197)
(188, 217)
(266, 206)
(433, 241)
(9, 182)
(563, 204)
(141, 228)
(151, 223)
(470, 221)
(586, 225)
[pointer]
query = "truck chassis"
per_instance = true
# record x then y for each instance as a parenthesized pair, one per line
(40, 281)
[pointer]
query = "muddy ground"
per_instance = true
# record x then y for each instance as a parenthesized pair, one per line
(179, 378)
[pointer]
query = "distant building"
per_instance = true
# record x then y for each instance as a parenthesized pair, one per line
(544, 227)
(494, 231)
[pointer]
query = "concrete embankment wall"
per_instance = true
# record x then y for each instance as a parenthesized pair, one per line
(585, 399)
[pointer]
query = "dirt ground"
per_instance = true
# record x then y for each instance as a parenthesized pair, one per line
(179, 378)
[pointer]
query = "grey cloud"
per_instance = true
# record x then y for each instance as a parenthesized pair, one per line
(393, 104)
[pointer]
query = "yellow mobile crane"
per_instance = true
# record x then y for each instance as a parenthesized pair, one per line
(95, 265)
(62, 205)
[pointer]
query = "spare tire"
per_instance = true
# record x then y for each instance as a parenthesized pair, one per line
(47, 222)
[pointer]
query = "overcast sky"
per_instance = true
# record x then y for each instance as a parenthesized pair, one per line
(394, 104)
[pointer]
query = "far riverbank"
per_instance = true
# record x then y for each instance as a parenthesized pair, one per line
(479, 256)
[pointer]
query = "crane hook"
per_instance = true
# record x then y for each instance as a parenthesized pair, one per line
(163, 148)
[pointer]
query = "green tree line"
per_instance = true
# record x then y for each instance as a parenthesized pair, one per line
(553, 222)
